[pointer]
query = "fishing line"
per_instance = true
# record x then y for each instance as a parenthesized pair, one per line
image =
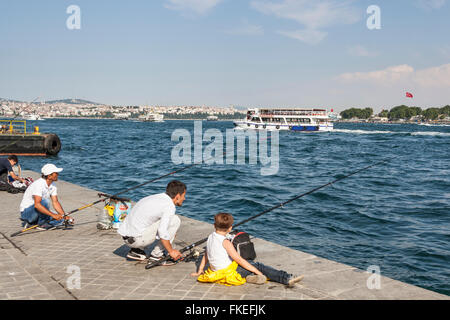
(112, 196)
(193, 245)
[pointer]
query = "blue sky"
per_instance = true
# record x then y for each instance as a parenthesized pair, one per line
(304, 53)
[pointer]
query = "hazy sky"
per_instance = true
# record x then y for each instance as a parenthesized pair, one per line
(304, 53)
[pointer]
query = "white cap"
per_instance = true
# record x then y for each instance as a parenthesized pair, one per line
(49, 169)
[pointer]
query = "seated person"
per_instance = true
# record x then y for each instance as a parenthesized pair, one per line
(6, 169)
(227, 267)
(17, 183)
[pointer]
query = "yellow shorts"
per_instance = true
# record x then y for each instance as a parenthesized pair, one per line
(227, 276)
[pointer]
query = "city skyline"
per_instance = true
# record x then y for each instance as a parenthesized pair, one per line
(295, 53)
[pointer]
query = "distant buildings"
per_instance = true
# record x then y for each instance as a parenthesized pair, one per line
(12, 109)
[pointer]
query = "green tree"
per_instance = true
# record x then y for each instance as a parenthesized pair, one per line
(366, 113)
(398, 112)
(445, 111)
(415, 111)
(357, 113)
(431, 113)
(384, 114)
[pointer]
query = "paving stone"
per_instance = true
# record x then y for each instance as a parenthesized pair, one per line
(195, 294)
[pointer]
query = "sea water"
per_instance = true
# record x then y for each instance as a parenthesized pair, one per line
(395, 215)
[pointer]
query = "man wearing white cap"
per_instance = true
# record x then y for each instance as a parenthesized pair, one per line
(35, 205)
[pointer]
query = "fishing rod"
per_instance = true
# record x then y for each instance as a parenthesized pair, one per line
(197, 243)
(108, 197)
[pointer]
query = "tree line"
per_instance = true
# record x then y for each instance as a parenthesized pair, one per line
(399, 113)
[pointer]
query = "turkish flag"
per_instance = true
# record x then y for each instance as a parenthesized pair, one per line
(409, 95)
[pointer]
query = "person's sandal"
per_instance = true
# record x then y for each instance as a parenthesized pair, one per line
(136, 254)
(294, 279)
(256, 279)
(166, 263)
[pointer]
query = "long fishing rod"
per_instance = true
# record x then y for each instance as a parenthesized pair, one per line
(193, 245)
(138, 186)
(112, 196)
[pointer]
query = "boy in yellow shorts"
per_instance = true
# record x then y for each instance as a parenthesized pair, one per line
(227, 267)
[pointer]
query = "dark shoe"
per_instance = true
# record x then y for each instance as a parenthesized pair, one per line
(26, 224)
(45, 226)
(294, 279)
(137, 254)
(256, 279)
(167, 263)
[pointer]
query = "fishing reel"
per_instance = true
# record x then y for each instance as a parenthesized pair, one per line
(193, 255)
(69, 223)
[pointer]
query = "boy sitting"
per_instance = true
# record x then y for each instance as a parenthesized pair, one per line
(227, 267)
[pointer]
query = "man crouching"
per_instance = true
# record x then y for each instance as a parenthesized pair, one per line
(151, 219)
(35, 205)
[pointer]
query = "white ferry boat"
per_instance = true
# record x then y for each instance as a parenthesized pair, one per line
(152, 117)
(212, 118)
(31, 117)
(294, 119)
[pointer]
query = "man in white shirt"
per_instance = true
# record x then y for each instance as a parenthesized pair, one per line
(153, 218)
(35, 205)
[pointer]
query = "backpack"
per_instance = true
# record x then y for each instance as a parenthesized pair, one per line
(244, 246)
(9, 188)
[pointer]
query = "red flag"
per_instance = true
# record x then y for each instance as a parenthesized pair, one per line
(409, 95)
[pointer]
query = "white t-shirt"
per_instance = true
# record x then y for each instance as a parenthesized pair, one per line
(217, 255)
(37, 188)
(146, 212)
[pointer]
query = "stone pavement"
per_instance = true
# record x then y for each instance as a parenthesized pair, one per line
(46, 264)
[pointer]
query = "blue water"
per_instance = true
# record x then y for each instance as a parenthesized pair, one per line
(395, 215)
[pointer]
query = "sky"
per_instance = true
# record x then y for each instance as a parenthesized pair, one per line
(250, 53)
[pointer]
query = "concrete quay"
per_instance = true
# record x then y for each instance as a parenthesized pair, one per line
(44, 265)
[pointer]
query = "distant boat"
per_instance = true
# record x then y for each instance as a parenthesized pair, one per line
(121, 116)
(293, 119)
(152, 117)
(212, 118)
(32, 117)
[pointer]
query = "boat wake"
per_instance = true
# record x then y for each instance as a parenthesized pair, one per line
(433, 125)
(365, 131)
(418, 133)
(431, 133)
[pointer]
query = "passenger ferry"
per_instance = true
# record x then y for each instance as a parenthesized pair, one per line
(294, 119)
(212, 118)
(152, 117)
(31, 117)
